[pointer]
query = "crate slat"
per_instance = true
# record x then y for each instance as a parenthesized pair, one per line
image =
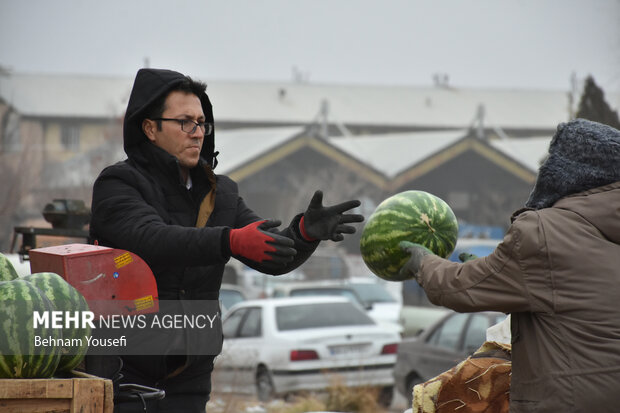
(82, 393)
(36, 388)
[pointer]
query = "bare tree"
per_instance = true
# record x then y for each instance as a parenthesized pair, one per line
(20, 167)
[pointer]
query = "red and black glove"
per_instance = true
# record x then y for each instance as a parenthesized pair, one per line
(255, 242)
(323, 223)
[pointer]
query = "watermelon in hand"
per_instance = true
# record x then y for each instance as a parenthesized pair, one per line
(415, 216)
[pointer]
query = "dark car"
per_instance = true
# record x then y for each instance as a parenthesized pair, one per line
(440, 347)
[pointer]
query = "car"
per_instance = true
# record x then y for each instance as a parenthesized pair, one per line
(230, 295)
(373, 297)
(279, 346)
(415, 319)
(480, 247)
(443, 345)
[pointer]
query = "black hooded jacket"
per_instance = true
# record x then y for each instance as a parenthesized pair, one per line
(142, 205)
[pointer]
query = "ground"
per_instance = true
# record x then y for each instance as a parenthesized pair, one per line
(235, 403)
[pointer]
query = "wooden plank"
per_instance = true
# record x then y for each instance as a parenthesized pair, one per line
(108, 396)
(82, 394)
(36, 388)
(87, 396)
(35, 406)
(108, 391)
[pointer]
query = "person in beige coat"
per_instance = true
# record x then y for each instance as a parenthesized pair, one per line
(557, 272)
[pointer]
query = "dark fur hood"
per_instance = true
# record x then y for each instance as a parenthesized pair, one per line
(582, 155)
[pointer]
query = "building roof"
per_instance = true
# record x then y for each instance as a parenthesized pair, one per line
(424, 107)
(66, 96)
(403, 157)
(529, 151)
(237, 147)
(392, 153)
(299, 104)
(382, 159)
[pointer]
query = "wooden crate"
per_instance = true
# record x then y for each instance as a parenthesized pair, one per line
(82, 393)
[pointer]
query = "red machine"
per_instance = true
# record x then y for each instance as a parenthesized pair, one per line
(112, 281)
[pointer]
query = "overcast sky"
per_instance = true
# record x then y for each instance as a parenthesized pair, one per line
(477, 43)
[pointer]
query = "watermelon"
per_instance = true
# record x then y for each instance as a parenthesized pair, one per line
(414, 216)
(7, 271)
(65, 298)
(19, 357)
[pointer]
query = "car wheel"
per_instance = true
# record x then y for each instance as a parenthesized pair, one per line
(264, 385)
(386, 394)
(412, 380)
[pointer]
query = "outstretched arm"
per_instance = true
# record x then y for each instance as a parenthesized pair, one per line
(328, 223)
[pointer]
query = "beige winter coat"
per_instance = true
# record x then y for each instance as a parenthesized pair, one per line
(557, 272)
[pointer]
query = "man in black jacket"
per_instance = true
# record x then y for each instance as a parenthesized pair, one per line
(165, 204)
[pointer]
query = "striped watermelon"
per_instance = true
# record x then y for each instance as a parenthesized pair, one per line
(19, 358)
(65, 298)
(7, 271)
(415, 216)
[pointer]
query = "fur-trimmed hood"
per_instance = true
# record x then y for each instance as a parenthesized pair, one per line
(582, 155)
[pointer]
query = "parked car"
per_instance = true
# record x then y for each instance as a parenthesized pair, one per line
(373, 297)
(415, 319)
(276, 346)
(480, 247)
(230, 295)
(440, 347)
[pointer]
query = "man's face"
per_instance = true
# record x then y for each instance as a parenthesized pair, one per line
(184, 146)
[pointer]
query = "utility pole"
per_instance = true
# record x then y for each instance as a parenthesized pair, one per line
(480, 122)
(323, 116)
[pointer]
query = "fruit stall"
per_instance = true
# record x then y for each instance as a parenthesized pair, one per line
(46, 327)
(43, 381)
(81, 393)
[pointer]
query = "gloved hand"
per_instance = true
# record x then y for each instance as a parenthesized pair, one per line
(466, 256)
(323, 223)
(417, 253)
(255, 242)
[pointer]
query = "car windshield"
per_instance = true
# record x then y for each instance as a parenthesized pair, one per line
(373, 293)
(302, 316)
(230, 297)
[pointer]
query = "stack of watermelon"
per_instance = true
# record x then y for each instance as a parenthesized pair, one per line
(19, 298)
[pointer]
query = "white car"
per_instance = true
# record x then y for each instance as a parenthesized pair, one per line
(230, 295)
(374, 298)
(277, 346)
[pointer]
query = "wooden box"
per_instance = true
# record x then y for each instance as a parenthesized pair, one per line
(82, 393)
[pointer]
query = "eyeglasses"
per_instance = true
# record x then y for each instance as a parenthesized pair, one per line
(189, 126)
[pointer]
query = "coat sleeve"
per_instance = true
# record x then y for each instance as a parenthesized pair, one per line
(122, 218)
(511, 279)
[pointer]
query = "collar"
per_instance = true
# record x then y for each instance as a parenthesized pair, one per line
(189, 183)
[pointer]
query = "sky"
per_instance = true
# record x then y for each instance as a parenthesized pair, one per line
(533, 44)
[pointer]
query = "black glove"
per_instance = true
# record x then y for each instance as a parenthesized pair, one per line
(417, 253)
(466, 256)
(323, 223)
(255, 242)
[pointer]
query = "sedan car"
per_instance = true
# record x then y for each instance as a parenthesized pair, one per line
(440, 347)
(230, 295)
(374, 298)
(277, 346)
